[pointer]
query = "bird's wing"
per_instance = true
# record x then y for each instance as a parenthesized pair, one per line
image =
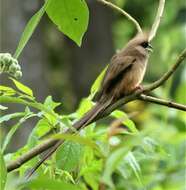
(116, 71)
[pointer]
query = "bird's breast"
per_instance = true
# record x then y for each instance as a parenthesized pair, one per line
(134, 76)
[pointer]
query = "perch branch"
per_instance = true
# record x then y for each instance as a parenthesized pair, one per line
(136, 95)
(162, 102)
(129, 17)
(157, 19)
(31, 154)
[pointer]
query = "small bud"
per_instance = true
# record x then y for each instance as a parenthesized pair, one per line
(13, 68)
(18, 67)
(7, 59)
(15, 61)
(18, 74)
(10, 65)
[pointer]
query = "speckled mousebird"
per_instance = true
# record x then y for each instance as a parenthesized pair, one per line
(123, 75)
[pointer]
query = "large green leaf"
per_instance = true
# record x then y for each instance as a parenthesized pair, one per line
(29, 29)
(111, 164)
(3, 172)
(70, 16)
(68, 155)
(50, 184)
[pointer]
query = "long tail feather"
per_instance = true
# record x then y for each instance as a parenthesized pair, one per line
(91, 115)
(88, 118)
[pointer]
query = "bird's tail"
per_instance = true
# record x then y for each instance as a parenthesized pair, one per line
(92, 115)
(88, 118)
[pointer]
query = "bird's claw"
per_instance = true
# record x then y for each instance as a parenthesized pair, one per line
(139, 88)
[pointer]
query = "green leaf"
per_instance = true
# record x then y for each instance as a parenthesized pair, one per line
(18, 100)
(9, 136)
(97, 83)
(45, 183)
(134, 165)
(68, 155)
(29, 29)
(11, 116)
(50, 103)
(7, 90)
(77, 139)
(41, 128)
(22, 87)
(126, 121)
(92, 180)
(3, 173)
(14, 129)
(111, 164)
(84, 106)
(70, 16)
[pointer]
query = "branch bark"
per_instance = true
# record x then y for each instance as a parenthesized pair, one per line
(129, 17)
(31, 154)
(157, 20)
(136, 95)
(162, 102)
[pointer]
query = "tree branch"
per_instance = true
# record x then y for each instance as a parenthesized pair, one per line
(167, 75)
(136, 95)
(31, 154)
(162, 102)
(129, 17)
(157, 19)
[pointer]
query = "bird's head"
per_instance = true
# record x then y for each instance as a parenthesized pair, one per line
(141, 43)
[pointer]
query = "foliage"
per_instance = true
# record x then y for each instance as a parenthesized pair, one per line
(145, 152)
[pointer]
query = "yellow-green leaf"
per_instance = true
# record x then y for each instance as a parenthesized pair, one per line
(29, 29)
(96, 85)
(22, 87)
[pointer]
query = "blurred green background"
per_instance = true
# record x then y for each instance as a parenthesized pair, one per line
(54, 65)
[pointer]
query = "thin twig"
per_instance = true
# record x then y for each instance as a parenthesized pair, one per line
(157, 20)
(136, 95)
(162, 102)
(167, 75)
(129, 17)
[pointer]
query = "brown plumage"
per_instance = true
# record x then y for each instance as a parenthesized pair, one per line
(124, 75)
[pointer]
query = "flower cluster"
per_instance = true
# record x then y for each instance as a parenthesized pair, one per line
(9, 65)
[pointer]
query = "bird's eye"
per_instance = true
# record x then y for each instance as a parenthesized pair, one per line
(144, 44)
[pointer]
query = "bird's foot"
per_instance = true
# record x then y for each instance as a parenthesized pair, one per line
(139, 88)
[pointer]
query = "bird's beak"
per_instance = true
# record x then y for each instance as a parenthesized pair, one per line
(150, 48)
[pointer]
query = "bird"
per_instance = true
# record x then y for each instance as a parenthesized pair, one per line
(123, 76)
